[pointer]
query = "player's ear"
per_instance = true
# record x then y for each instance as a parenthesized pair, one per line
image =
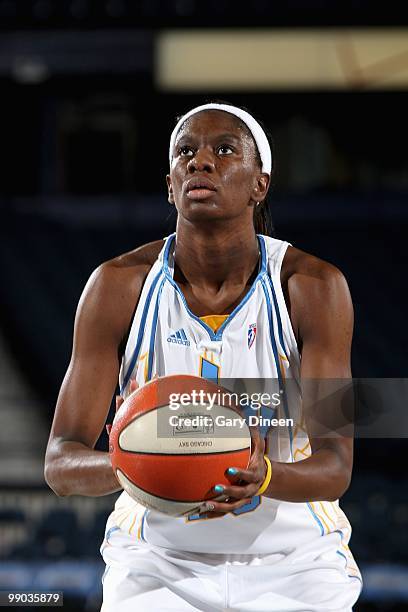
(170, 196)
(261, 186)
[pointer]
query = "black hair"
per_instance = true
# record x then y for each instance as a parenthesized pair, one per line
(262, 215)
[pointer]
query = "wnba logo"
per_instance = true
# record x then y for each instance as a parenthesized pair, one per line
(251, 334)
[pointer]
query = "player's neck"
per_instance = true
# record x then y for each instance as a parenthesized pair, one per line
(207, 258)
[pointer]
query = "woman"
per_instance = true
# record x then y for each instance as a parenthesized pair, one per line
(280, 542)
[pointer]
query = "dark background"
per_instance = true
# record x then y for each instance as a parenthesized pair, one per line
(84, 144)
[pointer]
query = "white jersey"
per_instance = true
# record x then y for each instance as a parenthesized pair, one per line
(255, 341)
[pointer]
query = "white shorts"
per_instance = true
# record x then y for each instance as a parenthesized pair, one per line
(140, 577)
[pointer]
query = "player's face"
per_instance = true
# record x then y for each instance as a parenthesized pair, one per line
(215, 172)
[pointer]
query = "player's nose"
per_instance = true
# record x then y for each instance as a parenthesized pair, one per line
(203, 161)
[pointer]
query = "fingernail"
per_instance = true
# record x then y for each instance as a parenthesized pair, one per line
(232, 471)
(218, 488)
(207, 507)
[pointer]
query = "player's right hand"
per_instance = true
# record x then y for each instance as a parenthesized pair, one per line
(119, 401)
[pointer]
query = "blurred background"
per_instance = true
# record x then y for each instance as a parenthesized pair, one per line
(89, 92)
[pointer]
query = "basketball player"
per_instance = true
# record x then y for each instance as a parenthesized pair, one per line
(280, 542)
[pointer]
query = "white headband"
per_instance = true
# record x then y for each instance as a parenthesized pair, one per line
(251, 123)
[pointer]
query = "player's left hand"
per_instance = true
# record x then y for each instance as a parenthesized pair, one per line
(244, 483)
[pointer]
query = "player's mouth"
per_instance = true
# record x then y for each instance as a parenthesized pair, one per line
(199, 188)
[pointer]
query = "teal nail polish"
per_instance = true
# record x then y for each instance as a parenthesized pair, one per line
(218, 488)
(232, 471)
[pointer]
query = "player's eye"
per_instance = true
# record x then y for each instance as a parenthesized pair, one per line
(186, 151)
(224, 149)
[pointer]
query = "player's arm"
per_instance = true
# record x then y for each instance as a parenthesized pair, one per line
(72, 466)
(322, 316)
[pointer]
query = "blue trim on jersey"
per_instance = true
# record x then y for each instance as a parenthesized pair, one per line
(153, 331)
(356, 577)
(339, 532)
(110, 531)
(146, 512)
(316, 518)
(166, 253)
(140, 334)
(259, 277)
(107, 568)
(276, 356)
(218, 335)
(278, 317)
(264, 259)
(171, 280)
(345, 567)
(192, 315)
(341, 555)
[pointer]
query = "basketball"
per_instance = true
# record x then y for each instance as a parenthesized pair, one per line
(169, 457)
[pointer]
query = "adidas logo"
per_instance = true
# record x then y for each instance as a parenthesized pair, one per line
(179, 337)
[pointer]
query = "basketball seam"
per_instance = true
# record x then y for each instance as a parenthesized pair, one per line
(174, 454)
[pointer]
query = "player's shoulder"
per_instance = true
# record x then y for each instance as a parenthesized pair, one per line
(130, 268)
(137, 260)
(305, 268)
(312, 287)
(310, 284)
(113, 289)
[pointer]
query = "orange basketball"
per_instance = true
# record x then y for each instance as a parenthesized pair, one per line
(169, 458)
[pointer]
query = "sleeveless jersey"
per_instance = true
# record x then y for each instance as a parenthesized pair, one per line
(256, 341)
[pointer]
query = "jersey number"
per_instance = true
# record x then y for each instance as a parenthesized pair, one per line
(210, 371)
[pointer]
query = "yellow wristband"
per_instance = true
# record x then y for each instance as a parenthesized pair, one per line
(268, 477)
